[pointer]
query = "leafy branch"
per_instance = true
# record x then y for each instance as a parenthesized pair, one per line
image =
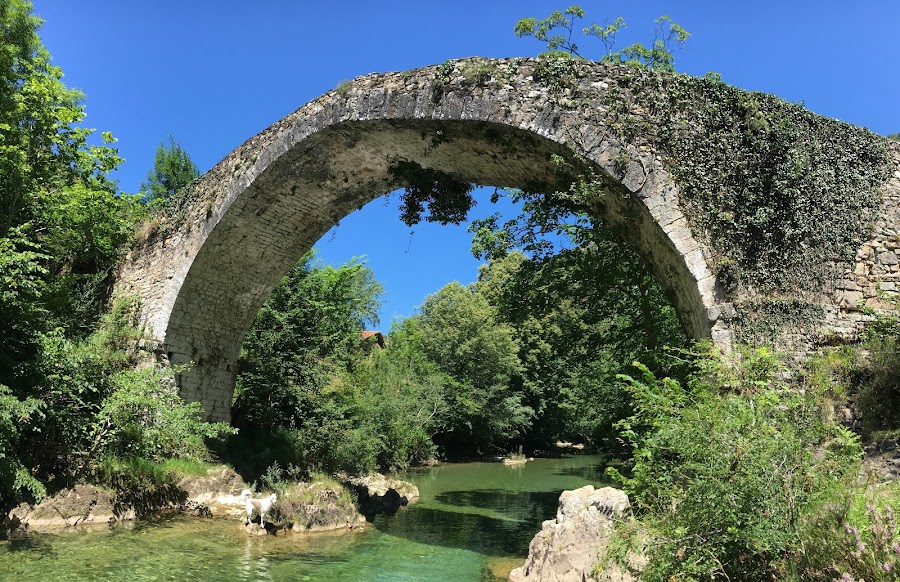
(558, 29)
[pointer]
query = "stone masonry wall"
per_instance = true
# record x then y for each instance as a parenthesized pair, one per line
(203, 270)
(875, 277)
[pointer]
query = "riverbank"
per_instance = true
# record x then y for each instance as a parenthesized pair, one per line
(323, 504)
(472, 522)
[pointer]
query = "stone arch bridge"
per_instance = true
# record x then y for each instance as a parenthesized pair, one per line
(203, 267)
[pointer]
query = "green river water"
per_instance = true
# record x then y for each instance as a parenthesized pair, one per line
(473, 521)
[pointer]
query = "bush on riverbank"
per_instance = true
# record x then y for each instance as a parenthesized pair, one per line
(879, 394)
(727, 468)
(101, 417)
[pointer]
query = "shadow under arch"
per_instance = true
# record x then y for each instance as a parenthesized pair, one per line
(253, 216)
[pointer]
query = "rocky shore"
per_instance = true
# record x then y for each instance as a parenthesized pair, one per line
(570, 547)
(301, 507)
(379, 494)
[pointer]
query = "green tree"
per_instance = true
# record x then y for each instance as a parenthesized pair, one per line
(63, 226)
(308, 329)
(894, 136)
(579, 315)
(291, 397)
(727, 467)
(558, 29)
(42, 148)
(582, 303)
(460, 332)
(56, 199)
(172, 170)
(398, 398)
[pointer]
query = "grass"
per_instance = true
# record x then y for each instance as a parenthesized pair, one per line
(343, 87)
(479, 73)
(188, 468)
(111, 469)
(311, 492)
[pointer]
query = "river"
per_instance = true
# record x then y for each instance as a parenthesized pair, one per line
(473, 521)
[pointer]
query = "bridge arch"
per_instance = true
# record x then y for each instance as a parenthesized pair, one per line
(203, 271)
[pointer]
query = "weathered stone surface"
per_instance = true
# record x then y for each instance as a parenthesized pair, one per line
(311, 518)
(568, 548)
(216, 494)
(302, 508)
(203, 275)
(316, 507)
(219, 492)
(379, 494)
(82, 505)
(875, 274)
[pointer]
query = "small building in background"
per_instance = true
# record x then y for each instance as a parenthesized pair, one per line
(378, 338)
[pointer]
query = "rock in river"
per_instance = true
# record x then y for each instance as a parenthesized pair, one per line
(569, 547)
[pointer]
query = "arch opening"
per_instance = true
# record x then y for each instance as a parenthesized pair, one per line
(310, 187)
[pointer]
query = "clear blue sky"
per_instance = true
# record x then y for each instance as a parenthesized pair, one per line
(212, 73)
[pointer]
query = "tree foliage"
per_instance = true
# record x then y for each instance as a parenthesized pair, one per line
(558, 29)
(56, 199)
(308, 328)
(459, 330)
(399, 404)
(580, 314)
(172, 170)
(726, 467)
(64, 369)
(308, 392)
(582, 302)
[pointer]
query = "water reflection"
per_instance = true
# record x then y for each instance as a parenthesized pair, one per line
(470, 519)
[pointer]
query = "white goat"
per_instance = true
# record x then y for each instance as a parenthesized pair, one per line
(263, 506)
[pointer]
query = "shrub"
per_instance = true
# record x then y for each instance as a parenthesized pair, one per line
(843, 544)
(15, 478)
(278, 480)
(724, 470)
(879, 395)
(145, 417)
(98, 404)
(478, 73)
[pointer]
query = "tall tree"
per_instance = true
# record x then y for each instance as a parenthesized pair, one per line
(62, 224)
(290, 399)
(583, 306)
(308, 328)
(62, 227)
(172, 170)
(458, 329)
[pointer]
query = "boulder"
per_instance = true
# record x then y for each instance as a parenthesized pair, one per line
(513, 461)
(379, 494)
(79, 505)
(568, 548)
(317, 506)
(218, 492)
(88, 505)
